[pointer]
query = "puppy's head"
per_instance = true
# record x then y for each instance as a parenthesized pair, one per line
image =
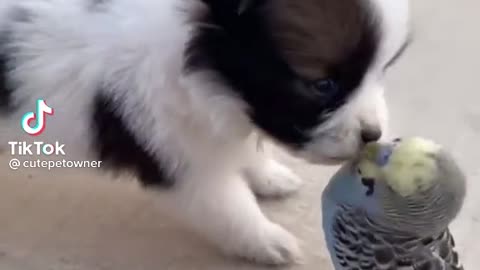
(309, 71)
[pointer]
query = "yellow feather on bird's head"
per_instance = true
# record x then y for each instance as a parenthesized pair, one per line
(407, 166)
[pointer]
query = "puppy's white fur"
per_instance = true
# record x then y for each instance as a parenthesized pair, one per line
(188, 122)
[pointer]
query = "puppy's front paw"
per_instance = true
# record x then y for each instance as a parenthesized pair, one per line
(275, 246)
(273, 180)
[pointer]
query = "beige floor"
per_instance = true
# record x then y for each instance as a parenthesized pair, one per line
(83, 222)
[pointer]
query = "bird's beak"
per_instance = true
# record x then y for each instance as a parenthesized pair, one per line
(370, 151)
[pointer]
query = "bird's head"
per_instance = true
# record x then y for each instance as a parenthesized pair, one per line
(415, 180)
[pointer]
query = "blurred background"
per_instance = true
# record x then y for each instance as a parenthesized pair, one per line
(66, 220)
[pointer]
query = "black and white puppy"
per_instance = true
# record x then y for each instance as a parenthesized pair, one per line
(172, 90)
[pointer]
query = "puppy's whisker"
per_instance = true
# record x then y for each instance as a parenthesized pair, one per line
(295, 38)
(208, 26)
(315, 57)
(297, 53)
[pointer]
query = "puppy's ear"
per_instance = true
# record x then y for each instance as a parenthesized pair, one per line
(232, 7)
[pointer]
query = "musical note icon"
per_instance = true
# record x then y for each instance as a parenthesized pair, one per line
(42, 110)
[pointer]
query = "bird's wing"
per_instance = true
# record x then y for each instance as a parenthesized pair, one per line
(432, 253)
(444, 249)
(357, 245)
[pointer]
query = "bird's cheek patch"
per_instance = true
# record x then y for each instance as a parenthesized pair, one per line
(369, 183)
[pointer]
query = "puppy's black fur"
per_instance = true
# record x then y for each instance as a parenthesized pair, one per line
(120, 150)
(242, 53)
(5, 90)
(6, 87)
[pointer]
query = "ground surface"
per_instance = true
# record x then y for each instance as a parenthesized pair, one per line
(83, 222)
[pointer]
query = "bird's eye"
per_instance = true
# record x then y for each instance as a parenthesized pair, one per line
(325, 87)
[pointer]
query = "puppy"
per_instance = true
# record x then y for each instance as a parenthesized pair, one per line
(171, 91)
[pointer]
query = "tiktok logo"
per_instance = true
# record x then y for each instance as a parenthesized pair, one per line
(39, 117)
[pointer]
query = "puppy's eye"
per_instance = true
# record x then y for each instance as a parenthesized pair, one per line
(325, 87)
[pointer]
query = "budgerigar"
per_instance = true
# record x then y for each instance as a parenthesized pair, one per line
(391, 208)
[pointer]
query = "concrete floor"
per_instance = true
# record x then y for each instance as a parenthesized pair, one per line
(73, 221)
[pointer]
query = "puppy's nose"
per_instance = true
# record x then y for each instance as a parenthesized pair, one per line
(371, 135)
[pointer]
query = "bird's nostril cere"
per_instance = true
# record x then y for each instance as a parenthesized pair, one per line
(371, 135)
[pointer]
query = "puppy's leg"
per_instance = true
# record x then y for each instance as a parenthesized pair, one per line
(221, 207)
(269, 178)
